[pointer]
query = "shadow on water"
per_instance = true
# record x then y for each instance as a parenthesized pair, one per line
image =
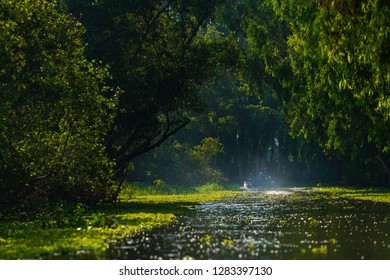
(268, 225)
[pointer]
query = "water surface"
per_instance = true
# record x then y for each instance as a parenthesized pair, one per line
(274, 224)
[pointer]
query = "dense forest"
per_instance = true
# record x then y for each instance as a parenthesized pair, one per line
(183, 92)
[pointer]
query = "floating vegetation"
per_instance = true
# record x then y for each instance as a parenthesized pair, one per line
(323, 250)
(313, 222)
(90, 235)
(296, 223)
(300, 223)
(227, 242)
(206, 239)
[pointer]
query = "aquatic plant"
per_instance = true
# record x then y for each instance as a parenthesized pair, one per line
(228, 242)
(304, 223)
(78, 231)
(206, 239)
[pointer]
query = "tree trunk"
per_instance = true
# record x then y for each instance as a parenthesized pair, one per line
(386, 169)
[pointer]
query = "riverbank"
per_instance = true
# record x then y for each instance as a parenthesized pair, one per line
(92, 232)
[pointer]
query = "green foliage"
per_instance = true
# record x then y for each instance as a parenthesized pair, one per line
(341, 65)
(372, 194)
(136, 189)
(178, 163)
(55, 110)
(209, 188)
(248, 106)
(358, 56)
(63, 217)
(29, 240)
(328, 68)
(260, 71)
(102, 220)
(161, 53)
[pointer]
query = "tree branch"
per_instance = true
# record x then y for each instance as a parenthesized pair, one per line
(147, 146)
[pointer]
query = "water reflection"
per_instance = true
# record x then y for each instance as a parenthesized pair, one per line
(256, 227)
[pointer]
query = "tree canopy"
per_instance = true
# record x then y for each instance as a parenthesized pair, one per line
(55, 110)
(225, 87)
(338, 53)
(161, 53)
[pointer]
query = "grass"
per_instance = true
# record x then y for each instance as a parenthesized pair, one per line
(159, 187)
(141, 208)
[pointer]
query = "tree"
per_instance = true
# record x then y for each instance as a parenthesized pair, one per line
(161, 53)
(262, 35)
(338, 53)
(179, 162)
(54, 110)
(326, 62)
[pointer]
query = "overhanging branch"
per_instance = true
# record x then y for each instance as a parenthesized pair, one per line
(147, 146)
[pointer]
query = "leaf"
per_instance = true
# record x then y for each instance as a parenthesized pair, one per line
(349, 58)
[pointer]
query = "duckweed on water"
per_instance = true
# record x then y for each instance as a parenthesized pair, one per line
(293, 223)
(370, 194)
(29, 240)
(289, 224)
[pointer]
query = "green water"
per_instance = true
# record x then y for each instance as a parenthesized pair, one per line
(278, 224)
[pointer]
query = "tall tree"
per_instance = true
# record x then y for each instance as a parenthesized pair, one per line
(54, 110)
(262, 36)
(326, 62)
(160, 57)
(339, 55)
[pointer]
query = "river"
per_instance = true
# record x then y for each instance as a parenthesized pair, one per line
(276, 224)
